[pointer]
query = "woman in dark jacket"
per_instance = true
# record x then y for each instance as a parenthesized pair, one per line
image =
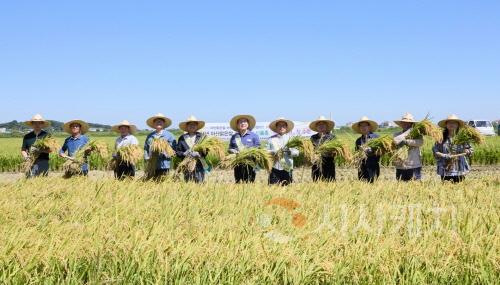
(185, 146)
(325, 171)
(369, 169)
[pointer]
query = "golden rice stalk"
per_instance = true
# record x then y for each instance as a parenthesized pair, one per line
(46, 144)
(211, 146)
(252, 157)
(72, 167)
(379, 146)
(468, 135)
(93, 147)
(332, 148)
(188, 164)
(129, 154)
(160, 145)
(304, 145)
(425, 128)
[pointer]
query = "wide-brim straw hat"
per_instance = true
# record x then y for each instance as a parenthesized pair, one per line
(364, 119)
(37, 118)
(84, 127)
(132, 128)
(191, 119)
(234, 122)
(407, 118)
(322, 119)
(290, 125)
(454, 118)
(150, 121)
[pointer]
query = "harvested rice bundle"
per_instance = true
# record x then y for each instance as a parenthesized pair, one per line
(252, 157)
(129, 154)
(207, 146)
(332, 148)
(425, 128)
(304, 145)
(158, 146)
(73, 166)
(468, 135)
(46, 144)
(379, 146)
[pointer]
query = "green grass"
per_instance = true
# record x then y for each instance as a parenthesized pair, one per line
(82, 231)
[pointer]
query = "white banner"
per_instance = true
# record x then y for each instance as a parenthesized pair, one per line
(224, 132)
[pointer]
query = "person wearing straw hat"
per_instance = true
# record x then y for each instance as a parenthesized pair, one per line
(452, 164)
(187, 141)
(126, 138)
(159, 123)
(369, 170)
(323, 128)
(410, 168)
(41, 164)
(77, 139)
(282, 171)
(243, 138)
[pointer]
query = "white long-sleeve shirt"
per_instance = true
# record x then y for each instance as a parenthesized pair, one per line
(414, 159)
(277, 142)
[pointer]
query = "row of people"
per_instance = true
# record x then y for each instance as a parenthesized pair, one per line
(448, 167)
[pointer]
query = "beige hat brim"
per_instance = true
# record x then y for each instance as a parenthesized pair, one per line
(132, 128)
(183, 125)
(443, 123)
(46, 124)
(150, 121)
(234, 122)
(330, 125)
(290, 125)
(406, 121)
(84, 127)
(373, 126)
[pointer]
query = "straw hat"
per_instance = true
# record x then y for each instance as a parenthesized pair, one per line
(289, 124)
(132, 128)
(84, 127)
(191, 119)
(37, 118)
(454, 118)
(234, 122)
(407, 118)
(322, 119)
(150, 121)
(364, 119)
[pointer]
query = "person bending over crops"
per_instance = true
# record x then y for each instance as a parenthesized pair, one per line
(243, 138)
(325, 169)
(452, 164)
(410, 167)
(185, 149)
(76, 140)
(39, 165)
(282, 171)
(159, 147)
(369, 169)
(126, 142)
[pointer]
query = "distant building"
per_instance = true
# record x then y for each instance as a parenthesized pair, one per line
(97, 129)
(4, 131)
(388, 124)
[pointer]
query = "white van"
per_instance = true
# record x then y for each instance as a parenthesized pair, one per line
(483, 126)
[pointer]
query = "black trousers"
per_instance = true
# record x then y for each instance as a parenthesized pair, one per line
(159, 174)
(197, 176)
(409, 174)
(281, 177)
(244, 174)
(124, 170)
(39, 168)
(453, 179)
(326, 172)
(369, 173)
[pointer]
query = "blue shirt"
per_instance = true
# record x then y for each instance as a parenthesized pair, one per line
(248, 140)
(72, 145)
(163, 162)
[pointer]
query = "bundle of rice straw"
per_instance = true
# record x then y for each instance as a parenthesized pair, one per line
(158, 146)
(251, 157)
(468, 135)
(304, 145)
(129, 154)
(332, 148)
(74, 166)
(207, 146)
(425, 128)
(46, 144)
(379, 146)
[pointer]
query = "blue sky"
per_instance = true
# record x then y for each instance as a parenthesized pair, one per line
(104, 61)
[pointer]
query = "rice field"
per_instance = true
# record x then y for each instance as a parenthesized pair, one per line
(100, 231)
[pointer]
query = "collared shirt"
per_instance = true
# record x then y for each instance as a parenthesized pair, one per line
(372, 159)
(451, 167)
(125, 141)
(163, 162)
(190, 140)
(73, 144)
(278, 142)
(30, 138)
(414, 159)
(248, 140)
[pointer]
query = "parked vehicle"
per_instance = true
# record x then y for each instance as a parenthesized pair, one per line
(483, 126)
